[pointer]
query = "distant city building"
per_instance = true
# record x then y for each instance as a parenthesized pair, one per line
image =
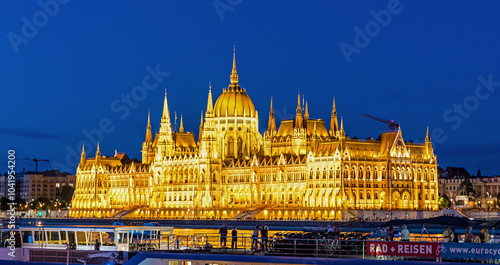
(450, 180)
(48, 184)
(486, 188)
(4, 185)
(300, 169)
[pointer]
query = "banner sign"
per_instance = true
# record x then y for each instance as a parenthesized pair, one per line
(409, 249)
(470, 250)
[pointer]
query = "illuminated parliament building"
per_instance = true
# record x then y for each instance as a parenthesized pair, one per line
(301, 169)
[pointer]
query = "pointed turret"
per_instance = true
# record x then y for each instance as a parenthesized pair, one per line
(298, 114)
(334, 125)
(271, 126)
(165, 118)
(428, 145)
(210, 105)
(306, 113)
(342, 132)
(83, 157)
(98, 151)
(149, 137)
(200, 134)
(98, 155)
(165, 126)
(234, 73)
(181, 127)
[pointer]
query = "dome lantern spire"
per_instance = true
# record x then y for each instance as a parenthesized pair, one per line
(234, 73)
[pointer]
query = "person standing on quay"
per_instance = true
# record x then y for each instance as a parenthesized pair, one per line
(223, 236)
(454, 235)
(263, 235)
(255, 237)
(469, 237)
(234, 238)
(405, 234)
(390, 234)
(97, 245)
(447, 234)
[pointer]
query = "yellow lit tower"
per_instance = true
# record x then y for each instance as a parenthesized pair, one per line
(334, 124)
(165, 146)
(147, 145)
(270, 133)
(299, 137)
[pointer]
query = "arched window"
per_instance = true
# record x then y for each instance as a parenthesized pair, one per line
(230, 146)
(368, 195)
(240, 147)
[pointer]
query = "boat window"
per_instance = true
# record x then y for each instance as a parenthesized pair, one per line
(108, 239)
(122, 238)
(93, 236)
(81, 238)
(71, 238)
(27, 236)
(39, 237)
(165, 236)
(63, 238)
(53, 237)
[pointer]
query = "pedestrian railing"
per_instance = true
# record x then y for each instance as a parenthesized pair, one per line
(341, 248)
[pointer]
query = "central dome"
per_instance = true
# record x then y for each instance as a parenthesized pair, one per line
(234, 101)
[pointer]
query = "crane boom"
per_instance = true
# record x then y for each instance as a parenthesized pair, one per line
(391, 123)
(36, 161)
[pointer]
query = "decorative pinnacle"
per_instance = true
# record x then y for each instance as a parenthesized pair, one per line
(234, 73)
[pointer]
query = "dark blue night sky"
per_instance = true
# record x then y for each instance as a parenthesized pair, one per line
(68, 69)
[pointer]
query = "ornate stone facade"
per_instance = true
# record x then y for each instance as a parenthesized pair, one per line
(300, 169)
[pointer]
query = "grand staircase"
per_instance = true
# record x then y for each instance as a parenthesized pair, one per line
(124, 213)
(251, 213)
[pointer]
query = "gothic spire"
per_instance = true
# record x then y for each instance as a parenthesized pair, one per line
(181, 127)
(234, 73)
(298, 114)
(200, 134)
(271, 126)
(165, 118)
(334, 125)
(342, 132)
(210, 106)
(306, 113)
(427, 137)
(98, 152)
(149, 137)
(83, 157)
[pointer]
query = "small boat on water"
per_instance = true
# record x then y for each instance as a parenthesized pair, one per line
(94, 237)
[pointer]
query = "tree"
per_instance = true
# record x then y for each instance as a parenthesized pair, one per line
(467, 189)
(67, 194)
(42, 203)
(444, 201)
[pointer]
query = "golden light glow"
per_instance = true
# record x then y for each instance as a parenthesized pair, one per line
(296, 170)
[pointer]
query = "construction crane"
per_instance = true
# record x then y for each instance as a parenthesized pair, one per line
(392, 124)
(36, 162)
